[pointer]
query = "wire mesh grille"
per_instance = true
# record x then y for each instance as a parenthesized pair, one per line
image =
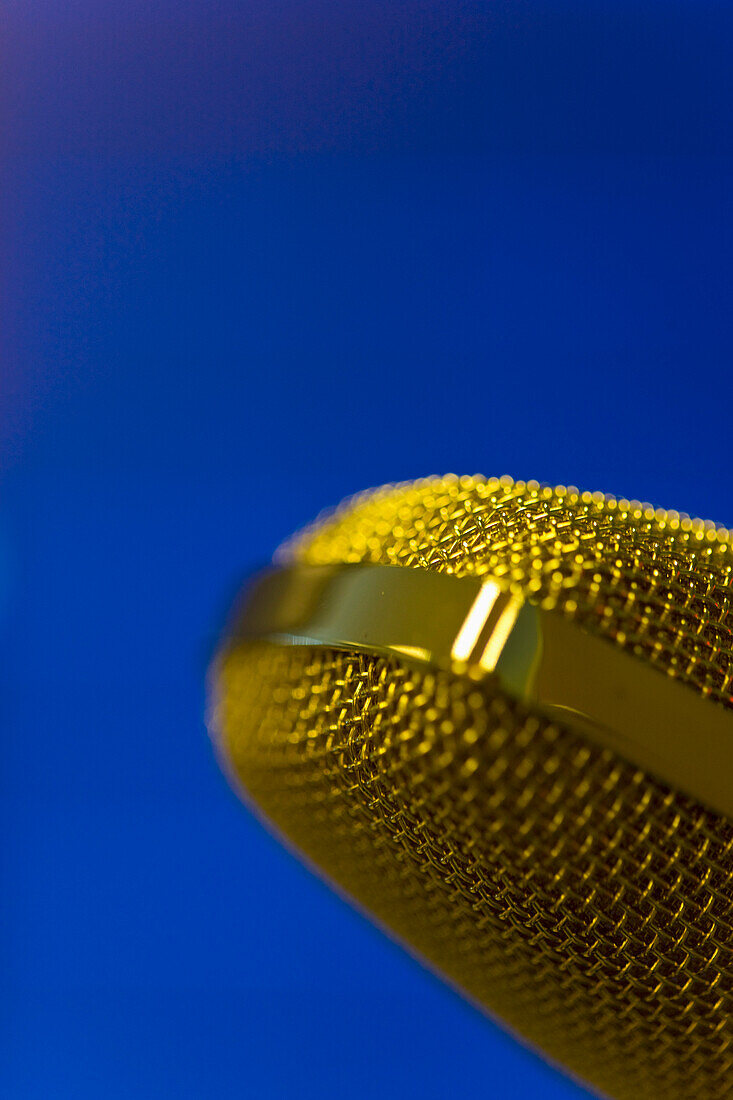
(567, 891)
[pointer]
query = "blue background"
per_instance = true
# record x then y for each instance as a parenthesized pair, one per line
(261, 255)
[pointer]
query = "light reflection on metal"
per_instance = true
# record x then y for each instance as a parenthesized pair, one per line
(475, 621)
(473, 626)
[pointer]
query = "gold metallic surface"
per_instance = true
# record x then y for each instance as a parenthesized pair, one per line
(472, 626)
(574, 894)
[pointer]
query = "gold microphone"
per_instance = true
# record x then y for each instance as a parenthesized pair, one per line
(499, 716)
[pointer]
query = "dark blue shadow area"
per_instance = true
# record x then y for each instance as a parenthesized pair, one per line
(499, 241)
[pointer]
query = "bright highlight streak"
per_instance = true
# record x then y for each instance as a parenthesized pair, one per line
(499, 635)
(474, 623)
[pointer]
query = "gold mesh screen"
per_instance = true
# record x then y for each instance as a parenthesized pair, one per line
(572, 894)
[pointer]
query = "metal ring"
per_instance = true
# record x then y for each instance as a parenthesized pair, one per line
(473, 626)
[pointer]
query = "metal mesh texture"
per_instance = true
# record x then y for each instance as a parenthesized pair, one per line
(573, 895)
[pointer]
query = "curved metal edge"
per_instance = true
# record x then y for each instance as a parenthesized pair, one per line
(474, 626)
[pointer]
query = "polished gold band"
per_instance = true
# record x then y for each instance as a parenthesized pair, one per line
(473, 626)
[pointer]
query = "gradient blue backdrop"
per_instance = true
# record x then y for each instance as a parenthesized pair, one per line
(261, 255)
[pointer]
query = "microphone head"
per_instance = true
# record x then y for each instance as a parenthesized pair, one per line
(556, 844)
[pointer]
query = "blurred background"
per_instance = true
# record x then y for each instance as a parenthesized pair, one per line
(259, 255)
